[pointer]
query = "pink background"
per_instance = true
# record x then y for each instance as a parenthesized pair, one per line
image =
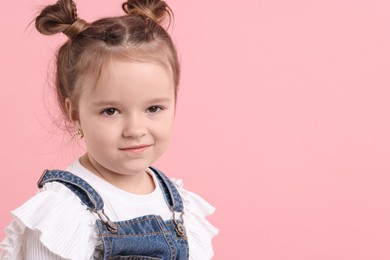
(283, 121)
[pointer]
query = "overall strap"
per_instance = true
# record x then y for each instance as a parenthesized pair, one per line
(171, 194)
(78, 186)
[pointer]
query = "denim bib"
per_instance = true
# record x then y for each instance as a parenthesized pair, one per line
(143, 238)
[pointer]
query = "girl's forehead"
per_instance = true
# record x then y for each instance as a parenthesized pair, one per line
(121, 79)
(132, 72)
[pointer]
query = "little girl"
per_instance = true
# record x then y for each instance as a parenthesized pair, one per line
(116, 81)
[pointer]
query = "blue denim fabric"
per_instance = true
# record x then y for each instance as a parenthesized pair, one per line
(144, 238)
(81, 188)
(172, 196)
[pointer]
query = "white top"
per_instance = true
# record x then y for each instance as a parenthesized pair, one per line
(54, 224)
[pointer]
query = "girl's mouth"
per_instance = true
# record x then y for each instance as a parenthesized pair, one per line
(136, 148)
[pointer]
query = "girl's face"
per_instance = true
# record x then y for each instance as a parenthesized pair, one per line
(127, 117)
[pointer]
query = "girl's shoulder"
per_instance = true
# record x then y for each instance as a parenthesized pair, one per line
(64, 224)
(199, 230)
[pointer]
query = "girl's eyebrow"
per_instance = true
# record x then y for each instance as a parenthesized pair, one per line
(101, 103)
(158, 100)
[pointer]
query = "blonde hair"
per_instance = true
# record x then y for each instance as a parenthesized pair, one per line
(138, 35)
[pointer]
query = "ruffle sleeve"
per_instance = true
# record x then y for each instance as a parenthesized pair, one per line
(65, 226)
(199, 231)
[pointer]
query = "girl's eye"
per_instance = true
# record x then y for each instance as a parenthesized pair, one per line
(109, 111)
(154, 109)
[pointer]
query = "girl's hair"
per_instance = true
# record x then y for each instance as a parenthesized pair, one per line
(138, 36)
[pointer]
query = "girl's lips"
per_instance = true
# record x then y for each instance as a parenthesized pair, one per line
(136, 148)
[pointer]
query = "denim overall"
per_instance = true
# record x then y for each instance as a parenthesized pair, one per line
(143, 238)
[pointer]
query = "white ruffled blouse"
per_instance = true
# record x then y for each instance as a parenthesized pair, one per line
(54, 224)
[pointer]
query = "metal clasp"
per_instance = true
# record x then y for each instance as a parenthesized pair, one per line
(179, 226)
(39, 183)
(106, 220)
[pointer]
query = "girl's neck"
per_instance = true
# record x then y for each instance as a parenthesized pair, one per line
(140, 184)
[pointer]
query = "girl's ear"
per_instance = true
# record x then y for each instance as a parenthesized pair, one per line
(72, 113)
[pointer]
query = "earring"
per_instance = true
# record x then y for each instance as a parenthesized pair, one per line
(79, 133)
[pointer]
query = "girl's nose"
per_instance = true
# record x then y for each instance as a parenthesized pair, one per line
(134, 127)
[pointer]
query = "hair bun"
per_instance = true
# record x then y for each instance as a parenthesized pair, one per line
(60, 17)
(155, 10)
